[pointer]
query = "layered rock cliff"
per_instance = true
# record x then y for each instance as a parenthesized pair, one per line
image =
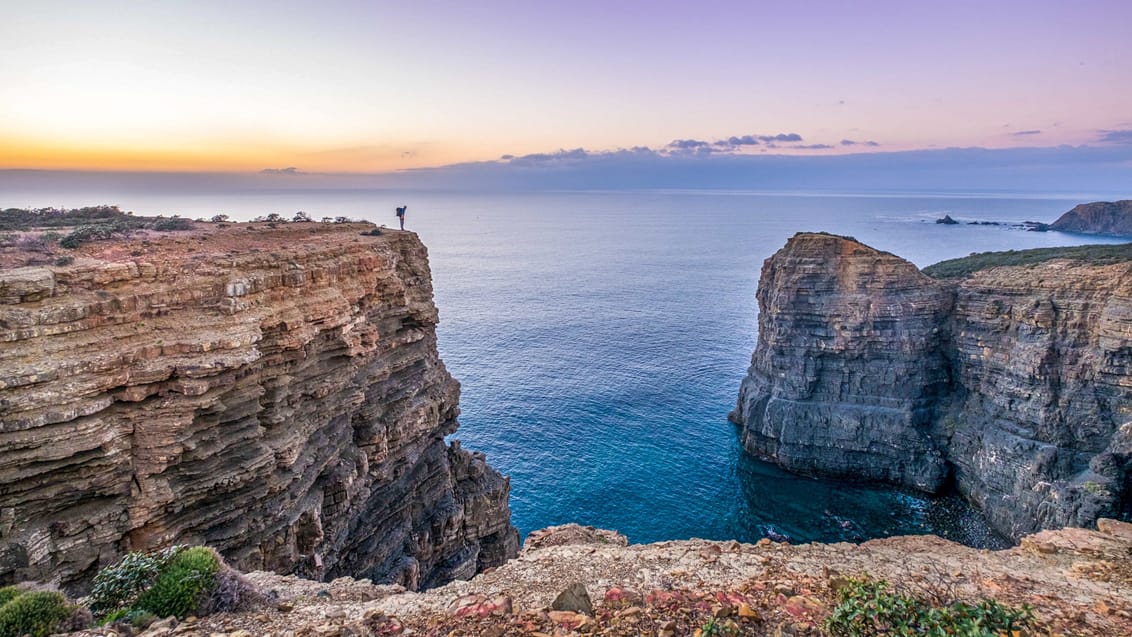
(273, 392)
(1100, 217)
(1015, 381)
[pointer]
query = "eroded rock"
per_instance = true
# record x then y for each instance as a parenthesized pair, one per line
(274, 393)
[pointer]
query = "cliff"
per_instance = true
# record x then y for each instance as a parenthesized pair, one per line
(1101, 217)
(1014, 382)
(1078, 581)
(273, 392)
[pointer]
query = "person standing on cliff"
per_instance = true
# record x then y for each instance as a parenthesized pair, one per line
(401, 215)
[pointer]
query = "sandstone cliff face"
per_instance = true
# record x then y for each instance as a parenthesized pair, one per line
(275, 393)
(1101, 217)
(1015, 381)
(848, 366)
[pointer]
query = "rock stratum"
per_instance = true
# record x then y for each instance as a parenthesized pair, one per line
(273, 392)
(1078, 581)
(1100, 217)
(1013, 382)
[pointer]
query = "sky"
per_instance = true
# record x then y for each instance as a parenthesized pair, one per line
(351, 86)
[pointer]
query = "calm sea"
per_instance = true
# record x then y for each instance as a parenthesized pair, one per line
(600, 338)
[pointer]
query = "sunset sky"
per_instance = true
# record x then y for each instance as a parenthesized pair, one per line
(370, 86)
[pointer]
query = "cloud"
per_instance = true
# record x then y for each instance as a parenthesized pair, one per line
(781, 137)
(290, 170)
(732, 144)
(561, 156)
(1023, 133)
(814, 146)
(687, 144)
(575, 156)
(853, 142)
(1116, 136)
(745, 140)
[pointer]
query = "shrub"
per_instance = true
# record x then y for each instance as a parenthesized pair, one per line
(8, 593)
(869, 607)
(173, 224)
(1103, 254)
(183, 584)
(233, 591)
(117, 587)
(36, 614)
(219, 218)
(64, 260)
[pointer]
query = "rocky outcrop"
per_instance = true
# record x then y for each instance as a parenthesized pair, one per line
(1014, 382)
(1101, 217)
(273, 392)
(677, 588)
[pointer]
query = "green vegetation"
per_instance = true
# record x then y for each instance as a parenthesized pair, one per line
(87, 224)
(8, 593)
(176, 581)
(183, 584)
(1091, 254)
(716, 627)
(36, 613)
(869, 607)
(117, 587)
(1096, 489)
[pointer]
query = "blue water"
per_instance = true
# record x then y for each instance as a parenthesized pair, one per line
(600, 339)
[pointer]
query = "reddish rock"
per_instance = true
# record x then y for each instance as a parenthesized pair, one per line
(274, 393)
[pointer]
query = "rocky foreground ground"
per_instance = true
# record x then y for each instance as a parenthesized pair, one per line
(1078, 581)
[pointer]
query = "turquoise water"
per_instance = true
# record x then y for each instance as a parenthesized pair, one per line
(600, 339)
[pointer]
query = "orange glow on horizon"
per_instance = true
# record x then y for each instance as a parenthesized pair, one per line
(38, 155)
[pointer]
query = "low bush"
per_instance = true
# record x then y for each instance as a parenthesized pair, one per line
(36, 613)
(183, 584)
(869, 607)
(1091, 254)
(172, 224)
(118, 587)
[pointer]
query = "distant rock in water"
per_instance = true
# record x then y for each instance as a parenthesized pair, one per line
(1101, 217)
(947, 221)
(1012, 377)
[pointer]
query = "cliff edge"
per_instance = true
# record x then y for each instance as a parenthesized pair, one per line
(1101, 217)
(1078, 581)
(274, 392)
(1012, 381)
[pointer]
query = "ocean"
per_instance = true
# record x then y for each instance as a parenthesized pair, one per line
(600, 338)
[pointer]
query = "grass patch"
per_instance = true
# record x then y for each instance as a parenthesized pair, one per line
(868, 607)
(1091, 254)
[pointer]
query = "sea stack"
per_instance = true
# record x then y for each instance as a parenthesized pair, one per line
(1012, 381)
(273, 392)
(849, 364)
